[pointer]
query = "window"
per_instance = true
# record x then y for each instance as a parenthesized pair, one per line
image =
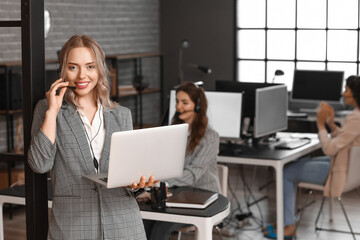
(296, 34)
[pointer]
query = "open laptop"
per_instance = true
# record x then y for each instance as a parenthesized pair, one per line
(158, 152)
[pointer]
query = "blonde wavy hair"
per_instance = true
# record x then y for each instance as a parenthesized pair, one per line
(102, 88)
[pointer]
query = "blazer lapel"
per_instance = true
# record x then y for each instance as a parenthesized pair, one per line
(74, 121)
(111, 126)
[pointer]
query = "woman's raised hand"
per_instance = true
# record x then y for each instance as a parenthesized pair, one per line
(54, 100)
(329, 112)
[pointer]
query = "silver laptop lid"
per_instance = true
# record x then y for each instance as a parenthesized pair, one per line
(158, 152)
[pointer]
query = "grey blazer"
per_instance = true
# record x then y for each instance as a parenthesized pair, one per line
(82, 209)
(200, 167)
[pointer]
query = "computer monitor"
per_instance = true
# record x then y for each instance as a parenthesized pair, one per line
(247, 88)
(223, 112)
(248, 103)
(314, 86)
(271, 105)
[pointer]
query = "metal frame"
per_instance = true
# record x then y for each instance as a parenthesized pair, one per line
(33, 78)
(295, 60)
(334, 230)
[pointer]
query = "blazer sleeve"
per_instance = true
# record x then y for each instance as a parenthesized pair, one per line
(344, 135)
(124, 118)
(42, 151)
(207, 150)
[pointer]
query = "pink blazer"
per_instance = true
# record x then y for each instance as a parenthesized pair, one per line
(338, 146)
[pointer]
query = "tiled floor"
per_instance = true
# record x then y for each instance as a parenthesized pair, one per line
(250, 228)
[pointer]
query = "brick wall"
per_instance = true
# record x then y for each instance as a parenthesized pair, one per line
(120, 27)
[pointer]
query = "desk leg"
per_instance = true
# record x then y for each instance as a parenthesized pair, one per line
(279, 201)
(204, 230)
(1, 222)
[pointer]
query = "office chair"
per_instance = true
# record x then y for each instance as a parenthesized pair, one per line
(223, 178)
(352, 182)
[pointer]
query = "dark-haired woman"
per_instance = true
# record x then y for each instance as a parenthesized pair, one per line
(329, 170)
(200, 168)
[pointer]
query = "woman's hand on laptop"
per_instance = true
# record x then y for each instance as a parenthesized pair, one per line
(143, 183)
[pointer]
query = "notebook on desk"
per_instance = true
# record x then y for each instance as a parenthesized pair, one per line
(158, 152)
(191, 199)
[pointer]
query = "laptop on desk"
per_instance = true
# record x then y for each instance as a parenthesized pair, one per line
(158, 152)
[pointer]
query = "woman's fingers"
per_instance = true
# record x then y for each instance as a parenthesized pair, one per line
(143, 183)
(56, 89)
(62, 91)
(151, 182)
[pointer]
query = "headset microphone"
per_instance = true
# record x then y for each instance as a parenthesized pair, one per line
(179, 113)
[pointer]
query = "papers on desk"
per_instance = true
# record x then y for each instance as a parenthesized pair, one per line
(291, 114)
(191, 199)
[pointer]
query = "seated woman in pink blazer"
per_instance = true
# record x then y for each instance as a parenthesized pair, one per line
(329, 170)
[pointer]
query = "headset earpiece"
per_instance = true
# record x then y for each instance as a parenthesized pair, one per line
(197, 105)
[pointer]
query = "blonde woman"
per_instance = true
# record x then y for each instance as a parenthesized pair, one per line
(71, 137)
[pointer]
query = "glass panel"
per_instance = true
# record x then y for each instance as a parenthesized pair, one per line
(348, 68)
(251, 71)
(343, 14)
(10, 41)
(251, 13)
(11, 129)
(311, 45)
(251, 44)
(310, 65)
(281, 44)
(342, 45)
(281, 14)
(286, 67)
(311, 14)
(10, 10)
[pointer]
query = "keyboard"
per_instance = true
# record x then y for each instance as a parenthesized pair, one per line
(292, 144)
(342, 113)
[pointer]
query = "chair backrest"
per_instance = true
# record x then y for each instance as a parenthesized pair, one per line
(223, 177)
(353, 176)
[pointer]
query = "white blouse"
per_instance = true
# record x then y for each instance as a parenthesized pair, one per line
(95, 132)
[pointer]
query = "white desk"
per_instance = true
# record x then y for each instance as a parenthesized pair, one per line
(278, 165)
(204, 220)
(204, 225)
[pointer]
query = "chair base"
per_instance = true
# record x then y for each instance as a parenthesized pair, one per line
(334, 230)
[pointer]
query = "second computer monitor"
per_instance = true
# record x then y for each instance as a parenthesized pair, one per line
(271, 104)
(313, 86)
(247, 88)
(223, 112)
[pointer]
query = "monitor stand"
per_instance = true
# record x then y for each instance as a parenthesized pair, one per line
(265, 141)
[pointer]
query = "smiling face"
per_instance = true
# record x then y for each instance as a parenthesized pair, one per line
(81, 71)
(185, 106)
